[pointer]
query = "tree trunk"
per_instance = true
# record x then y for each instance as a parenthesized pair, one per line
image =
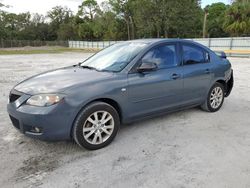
(128, 29)
(158, 33)
(165, 34)
(132, 28)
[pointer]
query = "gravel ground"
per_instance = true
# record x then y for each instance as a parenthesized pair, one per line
(190, 148)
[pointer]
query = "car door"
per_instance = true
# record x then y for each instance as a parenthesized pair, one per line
(155, 90)
(197, 73)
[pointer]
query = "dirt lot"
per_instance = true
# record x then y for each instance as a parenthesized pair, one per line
(191, 148)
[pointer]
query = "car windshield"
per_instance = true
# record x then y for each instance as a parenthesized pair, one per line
(115, 57)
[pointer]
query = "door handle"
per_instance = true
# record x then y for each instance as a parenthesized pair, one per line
(207, 71)
(175, 76)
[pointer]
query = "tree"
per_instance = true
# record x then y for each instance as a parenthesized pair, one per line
(167, 18)
(13, 24)
(88, 8)
(3, 33)
(187, 19)
(237, 20)
(58, 15)
(37, 29)
(88, 27)
(146, 17)
(109, 27)
(215, 18)
(123, 10)
(85, 31)
(128, 19)
(67, 31)
(241, 1)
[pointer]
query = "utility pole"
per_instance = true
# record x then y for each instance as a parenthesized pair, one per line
(205, 23)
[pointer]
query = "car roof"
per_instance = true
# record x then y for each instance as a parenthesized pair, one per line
(159, 40)
(150, 41)
(153, 40)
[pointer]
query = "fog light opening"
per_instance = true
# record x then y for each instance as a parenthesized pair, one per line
(36, 130)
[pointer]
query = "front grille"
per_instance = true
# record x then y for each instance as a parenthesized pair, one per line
(15, 122)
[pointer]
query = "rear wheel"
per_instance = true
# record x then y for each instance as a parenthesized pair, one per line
(96, 126)
(215, 98)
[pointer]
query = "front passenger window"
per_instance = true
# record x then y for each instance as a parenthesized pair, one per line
(164, 56)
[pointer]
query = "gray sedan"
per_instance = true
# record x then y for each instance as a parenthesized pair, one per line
(123, 83)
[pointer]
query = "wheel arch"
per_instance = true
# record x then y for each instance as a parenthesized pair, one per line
(227, 85)
(223, 82)
(111, 102)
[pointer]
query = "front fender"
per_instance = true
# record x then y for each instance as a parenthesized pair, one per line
(82, 95)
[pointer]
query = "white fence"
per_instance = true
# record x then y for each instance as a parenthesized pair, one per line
(240, 44)
(237, 43)
(91, 44)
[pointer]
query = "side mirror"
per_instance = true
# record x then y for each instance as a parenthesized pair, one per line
(147, 66)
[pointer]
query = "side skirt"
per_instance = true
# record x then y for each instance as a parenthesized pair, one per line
(160, 113)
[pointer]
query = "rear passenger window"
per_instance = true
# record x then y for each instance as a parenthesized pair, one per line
(193, 55)
(164, 56)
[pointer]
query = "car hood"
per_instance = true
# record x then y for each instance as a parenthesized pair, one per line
(59, 80)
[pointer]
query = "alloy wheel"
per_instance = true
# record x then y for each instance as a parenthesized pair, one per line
(216, 97)
(98, 127)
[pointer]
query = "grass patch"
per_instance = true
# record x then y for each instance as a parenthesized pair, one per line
(43, 50)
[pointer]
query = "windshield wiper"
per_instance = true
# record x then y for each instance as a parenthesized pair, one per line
(92, 68)
(78, 64)
(88, 67)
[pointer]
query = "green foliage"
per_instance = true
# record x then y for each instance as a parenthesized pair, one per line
(88, 9)
(215, 19)
(58, 16)
(237, 19)
(85, 30)
(67, 31)
(128, 19)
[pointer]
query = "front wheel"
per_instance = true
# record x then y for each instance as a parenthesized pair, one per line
(96, 126)
(215, 98)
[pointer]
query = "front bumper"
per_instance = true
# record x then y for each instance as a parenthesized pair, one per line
(45, 123)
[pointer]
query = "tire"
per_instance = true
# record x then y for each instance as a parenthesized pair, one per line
(96, 126)
(210, 105)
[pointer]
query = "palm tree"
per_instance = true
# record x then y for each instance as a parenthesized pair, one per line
(237, 20)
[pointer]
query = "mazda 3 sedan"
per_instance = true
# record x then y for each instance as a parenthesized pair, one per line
(125, 82)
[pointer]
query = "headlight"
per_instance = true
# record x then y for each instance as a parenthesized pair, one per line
(44, 99)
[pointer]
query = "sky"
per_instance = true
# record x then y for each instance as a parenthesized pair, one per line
(43, 6)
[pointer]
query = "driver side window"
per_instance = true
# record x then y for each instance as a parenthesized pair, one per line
(164, 56)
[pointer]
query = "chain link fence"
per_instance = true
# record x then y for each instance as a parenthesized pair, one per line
(34, 43)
